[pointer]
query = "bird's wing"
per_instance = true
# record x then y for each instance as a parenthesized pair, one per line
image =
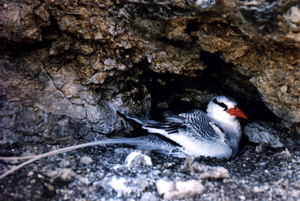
(194, 123)
(201, 125)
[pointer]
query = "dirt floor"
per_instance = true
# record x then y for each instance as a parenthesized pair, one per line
(101, 173)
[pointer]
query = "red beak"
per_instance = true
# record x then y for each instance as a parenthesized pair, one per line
(237, 112)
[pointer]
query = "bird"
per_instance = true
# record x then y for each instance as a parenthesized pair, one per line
(216, 133)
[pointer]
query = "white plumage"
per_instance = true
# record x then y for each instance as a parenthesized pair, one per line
(216, 133)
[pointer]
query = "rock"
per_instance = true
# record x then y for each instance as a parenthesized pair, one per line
(263, 133)
(286, 153)
(178, 190)
(260, 189)
(188, 164)
(117, 183)
(49, 187)
(64, 163)
(188, 188)
(125, 186)
(297, 184)
(260, 148)
(148, 196)
(65, 174)
(61, 174)
(206, 172)
(212, 172)
(19, 23)
(164, 186)
(136, 158)
(85, 160)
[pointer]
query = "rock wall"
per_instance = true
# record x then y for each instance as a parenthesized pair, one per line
(67, 66)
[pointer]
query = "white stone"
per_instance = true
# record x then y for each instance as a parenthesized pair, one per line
(148, 196)
(189, 188)
(179, 190)
(118, 183)
(136, 158)
(164, 186)
(86, 160)
(65, 174)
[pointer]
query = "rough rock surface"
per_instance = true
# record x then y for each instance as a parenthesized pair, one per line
(263, 134)
(67, 66)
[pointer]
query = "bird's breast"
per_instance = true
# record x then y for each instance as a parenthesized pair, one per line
(202, 147)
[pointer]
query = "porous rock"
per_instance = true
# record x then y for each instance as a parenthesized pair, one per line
(179, 189)
(61, 174)
(137, 158)
(263, 133)
(204, 171)
(86, 160)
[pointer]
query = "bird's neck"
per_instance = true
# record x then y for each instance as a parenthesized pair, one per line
(226, 122)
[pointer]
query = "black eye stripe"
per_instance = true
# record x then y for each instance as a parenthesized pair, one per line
(220, 104)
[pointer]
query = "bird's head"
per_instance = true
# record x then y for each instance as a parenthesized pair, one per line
(223, 108)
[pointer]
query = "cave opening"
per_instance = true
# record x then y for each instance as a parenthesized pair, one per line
(178, 93)
(174, 93)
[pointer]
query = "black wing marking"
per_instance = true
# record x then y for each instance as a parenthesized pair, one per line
(169, 126)
(199, 124)
(194, 123)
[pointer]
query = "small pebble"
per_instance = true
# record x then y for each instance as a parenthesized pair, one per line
(207, 172)
(30, 174)
(136, 158)
(65, 174)
(297, 184)
(148, 196)
(49, 187)
(85, 160)
(286, 153)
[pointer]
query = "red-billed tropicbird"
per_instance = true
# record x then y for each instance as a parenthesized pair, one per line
(216, 133)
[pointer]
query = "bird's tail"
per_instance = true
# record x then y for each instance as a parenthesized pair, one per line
(32, 158)
(144, 122)
(125, 116)
(145, 142)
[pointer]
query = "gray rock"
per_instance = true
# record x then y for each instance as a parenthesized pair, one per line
(263, 133)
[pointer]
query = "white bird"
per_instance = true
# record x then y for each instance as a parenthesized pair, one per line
(216, 133)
